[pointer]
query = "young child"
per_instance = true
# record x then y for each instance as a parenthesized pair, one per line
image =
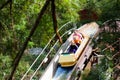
(77, 37)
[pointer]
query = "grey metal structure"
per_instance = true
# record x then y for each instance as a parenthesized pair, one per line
(55, 72)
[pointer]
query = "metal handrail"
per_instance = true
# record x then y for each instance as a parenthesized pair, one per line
(49, 53)
(43, 50)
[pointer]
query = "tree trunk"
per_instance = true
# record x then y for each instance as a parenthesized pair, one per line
(20, 53)
(55, 20)
(11, 7)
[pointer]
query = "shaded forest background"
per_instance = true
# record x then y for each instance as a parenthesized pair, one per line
(18, 17)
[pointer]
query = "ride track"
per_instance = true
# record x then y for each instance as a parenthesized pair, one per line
(60, 29)
(54, 71)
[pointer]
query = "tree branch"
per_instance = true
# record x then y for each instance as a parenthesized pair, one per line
(20, 53)
(111, 45)
(111, 58)
(117, 66)
(117, 54)
(55, 20)
(10, 7)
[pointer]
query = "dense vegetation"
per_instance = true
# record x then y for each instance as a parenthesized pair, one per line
(17, 18)
(108, 47)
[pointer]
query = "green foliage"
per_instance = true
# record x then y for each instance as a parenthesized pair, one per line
(94, 74)
(23, 66)
(109, 10)
(104, 70)
(67, 10)
(5, 66)
(30, 58)
(30, 44)
(111, 37)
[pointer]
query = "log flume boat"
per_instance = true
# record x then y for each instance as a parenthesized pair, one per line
(67, 58)
(71, 54)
